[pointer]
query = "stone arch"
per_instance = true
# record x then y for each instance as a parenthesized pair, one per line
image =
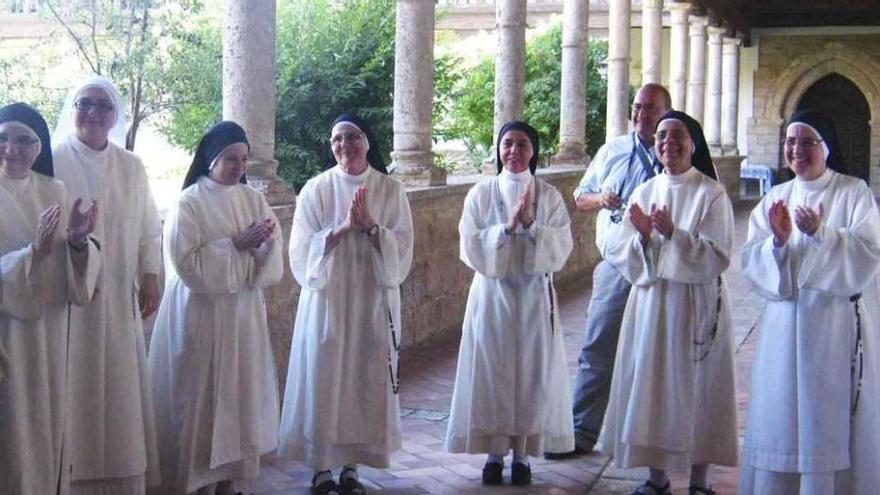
(861, 69)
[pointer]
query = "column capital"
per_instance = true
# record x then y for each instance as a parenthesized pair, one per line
(731, 42)
(678, 7)
(716, 33)
(699, 21)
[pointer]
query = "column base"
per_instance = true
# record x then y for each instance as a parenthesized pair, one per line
(729, 149)
(416, 168)
(262, 175)
(728, 173)
(715, 149)
(570, 155)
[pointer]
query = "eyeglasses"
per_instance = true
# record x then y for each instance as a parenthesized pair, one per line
(351, 137)
(638, 107)
(805, 143)
(669, 135)
(20, 141)
(101, 106)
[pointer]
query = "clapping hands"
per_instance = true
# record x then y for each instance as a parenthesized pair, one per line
(806, 219)
(659, 219)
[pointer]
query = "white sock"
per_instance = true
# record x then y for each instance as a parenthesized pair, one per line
(322, 476)
(349, 471)
(520, 458)
(496, 458)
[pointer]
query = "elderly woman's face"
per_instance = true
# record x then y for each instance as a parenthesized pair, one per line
(94, 114)
(230, 165)
(674, 146)
(350, 147)
(516, 151)
(804, 152)
(19, 149)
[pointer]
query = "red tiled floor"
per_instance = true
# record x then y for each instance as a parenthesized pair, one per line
(428, 372)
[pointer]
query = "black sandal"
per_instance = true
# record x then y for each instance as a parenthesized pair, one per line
(350, 484)
(697, 490)
(520, 474)
(655, 490)
(328, 487)
(492, 473)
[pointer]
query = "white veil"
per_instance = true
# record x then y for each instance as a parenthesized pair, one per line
(66, 126)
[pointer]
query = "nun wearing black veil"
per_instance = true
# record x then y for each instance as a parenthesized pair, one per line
(511, 387)
(211, 365)
(812, 251)
(351, 247)
(673, 400)
(46, 262)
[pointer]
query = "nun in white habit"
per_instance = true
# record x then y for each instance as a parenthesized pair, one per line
(350, 249)
(211, 363)
(673, 398)
(46, 262)
(812, 251)
(112, 425)
(511, 388)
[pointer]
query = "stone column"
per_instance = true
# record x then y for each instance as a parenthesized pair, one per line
(249, 99)
(573, 90)
(510, 68)
(729, 95)
(618, 68)
(678, 53)
(249, 89)
(696, 95)
(712, 116)
(413, 94)
(652, 41)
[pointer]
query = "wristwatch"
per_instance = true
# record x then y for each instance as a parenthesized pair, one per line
(372, 231)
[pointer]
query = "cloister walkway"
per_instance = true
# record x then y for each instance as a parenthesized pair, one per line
(428, 372)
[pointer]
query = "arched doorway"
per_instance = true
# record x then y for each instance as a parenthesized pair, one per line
(840, 99)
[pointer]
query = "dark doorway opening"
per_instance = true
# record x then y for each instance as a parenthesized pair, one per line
(840, 99)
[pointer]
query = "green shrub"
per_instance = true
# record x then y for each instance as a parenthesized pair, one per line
(469, 116)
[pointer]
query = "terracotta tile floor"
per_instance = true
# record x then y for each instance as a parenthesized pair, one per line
(428, 372)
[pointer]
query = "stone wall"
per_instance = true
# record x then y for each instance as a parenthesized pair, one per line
(788, 65)
(435, 293)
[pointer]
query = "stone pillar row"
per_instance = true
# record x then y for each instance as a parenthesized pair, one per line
(678, 53)
(697, 68)
(652, 41)
(712, 117)
(729, 94)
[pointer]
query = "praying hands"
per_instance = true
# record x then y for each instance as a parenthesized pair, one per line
(521, 213)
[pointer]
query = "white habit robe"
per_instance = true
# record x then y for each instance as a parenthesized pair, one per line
(112, 425)
(211, 362)
(511, 387)
(801, 436)
(673, 397)
(339, 403)
(33, 336)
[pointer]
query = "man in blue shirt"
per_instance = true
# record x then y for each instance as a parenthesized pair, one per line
(619, 166)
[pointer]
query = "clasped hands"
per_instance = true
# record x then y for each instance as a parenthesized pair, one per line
(358, 216)
(658, 219)
(255, 235)
(520, 214)
(806, 219)
(79, 225)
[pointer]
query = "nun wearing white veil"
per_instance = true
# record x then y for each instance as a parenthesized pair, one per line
(112, 430)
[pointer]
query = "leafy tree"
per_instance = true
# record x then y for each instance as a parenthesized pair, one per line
(128, 43)
(22, 78)
(331, 58)
(470, 114)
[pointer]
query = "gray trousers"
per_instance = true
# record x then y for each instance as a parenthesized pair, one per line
(596, 362)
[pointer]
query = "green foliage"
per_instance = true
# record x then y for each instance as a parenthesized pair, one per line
(195, 81)
(331, 58)
(469, 116)
(23, 76)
